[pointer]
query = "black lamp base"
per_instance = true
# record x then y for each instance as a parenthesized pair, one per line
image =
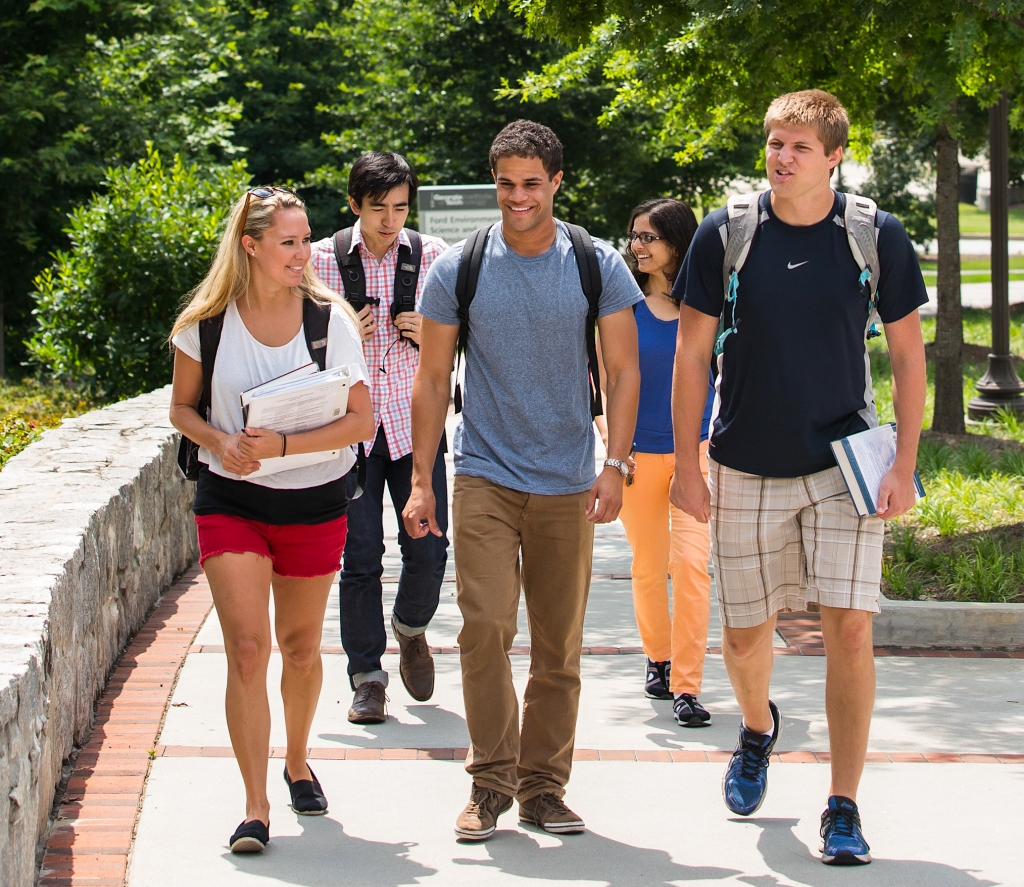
(999, 389)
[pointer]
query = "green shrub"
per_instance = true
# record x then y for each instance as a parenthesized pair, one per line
(106, 306)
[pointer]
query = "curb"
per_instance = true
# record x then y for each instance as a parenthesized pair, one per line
(966, 626)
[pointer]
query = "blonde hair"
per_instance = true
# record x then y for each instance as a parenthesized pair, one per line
(229, 275)
(814, 108)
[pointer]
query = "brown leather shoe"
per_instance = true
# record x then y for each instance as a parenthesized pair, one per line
(416, 665)
(477, 822)
(368, 706)
(548, 811)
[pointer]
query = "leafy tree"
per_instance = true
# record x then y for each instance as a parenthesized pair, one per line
(930, 66)
(104, 308)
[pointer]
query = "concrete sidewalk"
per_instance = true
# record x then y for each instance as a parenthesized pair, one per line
(940, 797)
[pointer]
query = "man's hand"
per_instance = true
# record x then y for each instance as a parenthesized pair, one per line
(409, 324)
(232, 458)
(419, 514)
(605, 499)
(897, 494)
(689, 493)
(367, 323)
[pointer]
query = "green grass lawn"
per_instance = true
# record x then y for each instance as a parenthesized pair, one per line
(965, 539)
(974, 221)
(28, 408)
(975, 270)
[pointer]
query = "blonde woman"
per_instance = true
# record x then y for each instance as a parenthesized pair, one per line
(282, 532)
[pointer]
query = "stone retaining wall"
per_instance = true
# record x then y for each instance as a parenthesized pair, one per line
(94, 526)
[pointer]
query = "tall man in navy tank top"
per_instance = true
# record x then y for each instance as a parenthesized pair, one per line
(526, 498)
(794, 376)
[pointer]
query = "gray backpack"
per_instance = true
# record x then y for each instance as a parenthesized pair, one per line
(737, 234)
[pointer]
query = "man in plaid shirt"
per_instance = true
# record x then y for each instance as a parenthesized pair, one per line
(381, 189)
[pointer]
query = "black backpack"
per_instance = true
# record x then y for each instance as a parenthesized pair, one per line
(407, 272)
(590, 280)
(315, 321)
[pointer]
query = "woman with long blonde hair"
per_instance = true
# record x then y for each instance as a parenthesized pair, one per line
(281, 532)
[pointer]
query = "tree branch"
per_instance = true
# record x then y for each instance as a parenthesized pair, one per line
(1019, 22)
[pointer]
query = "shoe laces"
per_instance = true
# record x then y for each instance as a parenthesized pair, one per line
(554, 804)
(482, 798)
(843, 821)
(371, 688)
(753, 757)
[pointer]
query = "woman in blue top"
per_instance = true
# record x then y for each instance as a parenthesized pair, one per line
(665, 540)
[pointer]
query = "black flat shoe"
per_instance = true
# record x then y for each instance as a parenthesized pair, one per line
(307, 796)
(250, 837)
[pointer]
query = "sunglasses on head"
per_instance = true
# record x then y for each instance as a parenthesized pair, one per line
(263, 192)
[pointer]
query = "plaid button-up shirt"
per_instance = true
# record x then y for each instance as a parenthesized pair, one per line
(390, 391)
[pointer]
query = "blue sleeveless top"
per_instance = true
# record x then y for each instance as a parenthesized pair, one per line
(657, 341)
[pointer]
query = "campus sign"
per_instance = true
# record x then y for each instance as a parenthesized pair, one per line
(452, 212)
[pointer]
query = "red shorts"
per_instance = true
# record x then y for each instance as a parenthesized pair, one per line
(298, 551)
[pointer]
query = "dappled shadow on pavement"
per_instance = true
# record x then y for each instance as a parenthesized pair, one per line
(786, 855)
(587, 857)
(439, 727)
(325, 856)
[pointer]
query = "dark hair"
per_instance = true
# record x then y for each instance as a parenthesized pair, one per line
(674, 221)
(379, 172)
(524, 138)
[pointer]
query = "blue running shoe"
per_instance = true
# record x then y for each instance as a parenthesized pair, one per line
(746, 778)
(842, 841)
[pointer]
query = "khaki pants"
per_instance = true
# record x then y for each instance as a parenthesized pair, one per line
(493, 527)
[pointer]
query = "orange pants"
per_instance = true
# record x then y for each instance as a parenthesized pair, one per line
(667, 541)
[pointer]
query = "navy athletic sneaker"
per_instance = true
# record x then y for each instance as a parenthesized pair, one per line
(746, 778)
(842, 841)
(657, 679)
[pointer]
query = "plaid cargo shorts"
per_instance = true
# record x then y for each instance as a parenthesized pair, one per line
(790, 543)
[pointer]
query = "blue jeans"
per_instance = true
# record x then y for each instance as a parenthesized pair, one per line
(363, 634)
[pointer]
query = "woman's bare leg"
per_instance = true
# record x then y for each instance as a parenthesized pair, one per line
(241, 591)
(299, 606)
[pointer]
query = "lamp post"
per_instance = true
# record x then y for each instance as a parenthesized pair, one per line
(1000, 388)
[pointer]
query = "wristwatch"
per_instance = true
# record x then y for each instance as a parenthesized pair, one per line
(619, 465)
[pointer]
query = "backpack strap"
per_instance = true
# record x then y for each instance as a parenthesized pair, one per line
(737, 234)
(353, 280)
(590, 279)
(407, 273)
(465, 289)
(859, 221)
(316, 320)
(210, 330)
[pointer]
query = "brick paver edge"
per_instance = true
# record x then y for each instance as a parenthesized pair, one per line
(91, 838)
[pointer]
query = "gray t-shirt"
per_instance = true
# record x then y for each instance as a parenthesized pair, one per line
(526, 421)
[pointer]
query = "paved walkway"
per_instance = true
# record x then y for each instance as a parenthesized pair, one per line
(156, 792)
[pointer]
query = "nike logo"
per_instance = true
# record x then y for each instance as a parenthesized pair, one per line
(791, 266)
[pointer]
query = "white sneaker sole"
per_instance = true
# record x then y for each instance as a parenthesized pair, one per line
(466, 835)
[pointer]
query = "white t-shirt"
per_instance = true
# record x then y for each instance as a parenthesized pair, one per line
(243, 362)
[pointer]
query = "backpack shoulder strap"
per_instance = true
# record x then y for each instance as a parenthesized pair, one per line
(210, 331)
(744, 216)
(316, 318)
(859, 219)
(590, 279)
(407, 273)
(353, 280)
(465, 289)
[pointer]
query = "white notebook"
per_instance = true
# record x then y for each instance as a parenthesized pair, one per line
(865, 458)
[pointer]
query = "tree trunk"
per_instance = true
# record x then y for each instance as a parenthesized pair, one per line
(949, 334)
(3, 331)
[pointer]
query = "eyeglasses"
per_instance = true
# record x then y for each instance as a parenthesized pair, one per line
(645, 238)
(263, 192)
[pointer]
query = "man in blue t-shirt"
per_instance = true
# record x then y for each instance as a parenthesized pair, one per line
(526, 498)
(795, 376)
